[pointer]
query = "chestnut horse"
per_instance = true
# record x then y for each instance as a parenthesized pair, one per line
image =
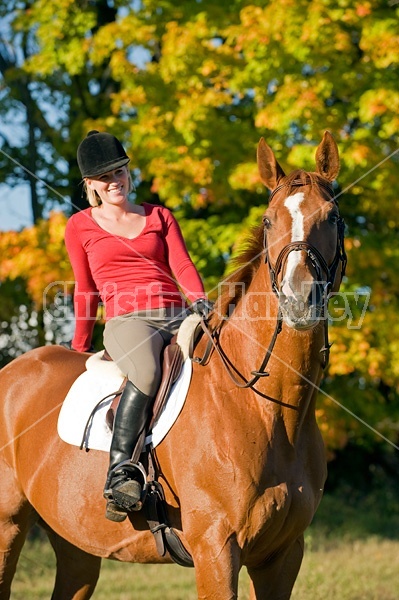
(243, 468)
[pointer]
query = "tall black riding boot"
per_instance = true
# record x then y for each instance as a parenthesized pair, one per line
(122, 488)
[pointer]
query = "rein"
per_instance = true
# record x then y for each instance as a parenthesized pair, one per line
(214, 344)
(319, 264)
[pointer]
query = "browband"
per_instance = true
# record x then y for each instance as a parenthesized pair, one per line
(300, 182)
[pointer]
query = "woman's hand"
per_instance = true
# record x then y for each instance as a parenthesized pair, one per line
(202, 307)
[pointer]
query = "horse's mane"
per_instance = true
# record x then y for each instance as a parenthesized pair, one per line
(236, 284)
(247, 263)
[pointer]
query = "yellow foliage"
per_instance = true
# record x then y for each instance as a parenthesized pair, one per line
(38, 255)
(375, 103)
(246, 177)
(380, 42)
(221, 76)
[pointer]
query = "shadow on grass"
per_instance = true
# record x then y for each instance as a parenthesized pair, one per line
(361, 498)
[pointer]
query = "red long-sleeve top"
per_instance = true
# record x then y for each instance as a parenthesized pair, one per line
(127, 275)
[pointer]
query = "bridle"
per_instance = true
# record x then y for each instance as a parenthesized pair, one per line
(315, 257)
(319, 264)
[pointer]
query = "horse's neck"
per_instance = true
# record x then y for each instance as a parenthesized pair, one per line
(295, 364)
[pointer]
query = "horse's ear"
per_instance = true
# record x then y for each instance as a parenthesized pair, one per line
(327, 158)
(269, 169)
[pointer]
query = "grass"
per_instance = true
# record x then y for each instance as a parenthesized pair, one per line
(352, 553)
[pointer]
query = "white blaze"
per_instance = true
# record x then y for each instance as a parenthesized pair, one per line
(293, 204)
(297, 234)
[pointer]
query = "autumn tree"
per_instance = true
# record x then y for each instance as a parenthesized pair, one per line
(47, 106)
(190, 87)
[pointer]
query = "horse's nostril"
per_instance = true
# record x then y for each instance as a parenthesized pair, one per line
(298, 307)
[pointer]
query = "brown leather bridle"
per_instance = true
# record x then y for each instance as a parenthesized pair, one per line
(320, 265)
(316, 258)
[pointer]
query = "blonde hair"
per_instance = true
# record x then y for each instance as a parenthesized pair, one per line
(92, 196)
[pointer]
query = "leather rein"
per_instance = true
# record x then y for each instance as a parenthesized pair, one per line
(319, 264)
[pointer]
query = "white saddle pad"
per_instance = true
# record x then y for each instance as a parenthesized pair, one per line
(101, 379)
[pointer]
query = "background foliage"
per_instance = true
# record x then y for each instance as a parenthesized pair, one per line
(190, 87)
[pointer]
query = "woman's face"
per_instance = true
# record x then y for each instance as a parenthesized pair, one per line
(112, 187)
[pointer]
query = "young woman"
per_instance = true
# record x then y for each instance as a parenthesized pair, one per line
(133, 258)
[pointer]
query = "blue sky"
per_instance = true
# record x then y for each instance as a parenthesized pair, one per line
(15, 211)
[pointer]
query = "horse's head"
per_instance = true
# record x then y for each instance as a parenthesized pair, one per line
(303, 234)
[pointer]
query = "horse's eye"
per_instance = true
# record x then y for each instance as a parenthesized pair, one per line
(266, 222)
(333, 218)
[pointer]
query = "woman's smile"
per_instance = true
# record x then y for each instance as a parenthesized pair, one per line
(112, 186)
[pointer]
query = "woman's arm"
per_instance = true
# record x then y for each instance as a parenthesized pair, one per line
(86, 295)
(180, 262)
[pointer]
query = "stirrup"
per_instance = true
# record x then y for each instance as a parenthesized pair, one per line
(132, 470)
(134, 476)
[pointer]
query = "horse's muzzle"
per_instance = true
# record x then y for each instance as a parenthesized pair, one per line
(303, 311)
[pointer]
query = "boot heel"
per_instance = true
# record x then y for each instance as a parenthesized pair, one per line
(115, 513)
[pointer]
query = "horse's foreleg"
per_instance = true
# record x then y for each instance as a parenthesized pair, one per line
(217, 569)
(77, 571)
(275, 580)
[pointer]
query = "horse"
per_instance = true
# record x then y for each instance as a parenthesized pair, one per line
(244, 466)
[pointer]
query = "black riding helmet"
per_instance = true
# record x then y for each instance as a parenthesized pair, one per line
(99, 153)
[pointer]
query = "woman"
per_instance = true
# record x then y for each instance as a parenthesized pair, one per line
(133, 258)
